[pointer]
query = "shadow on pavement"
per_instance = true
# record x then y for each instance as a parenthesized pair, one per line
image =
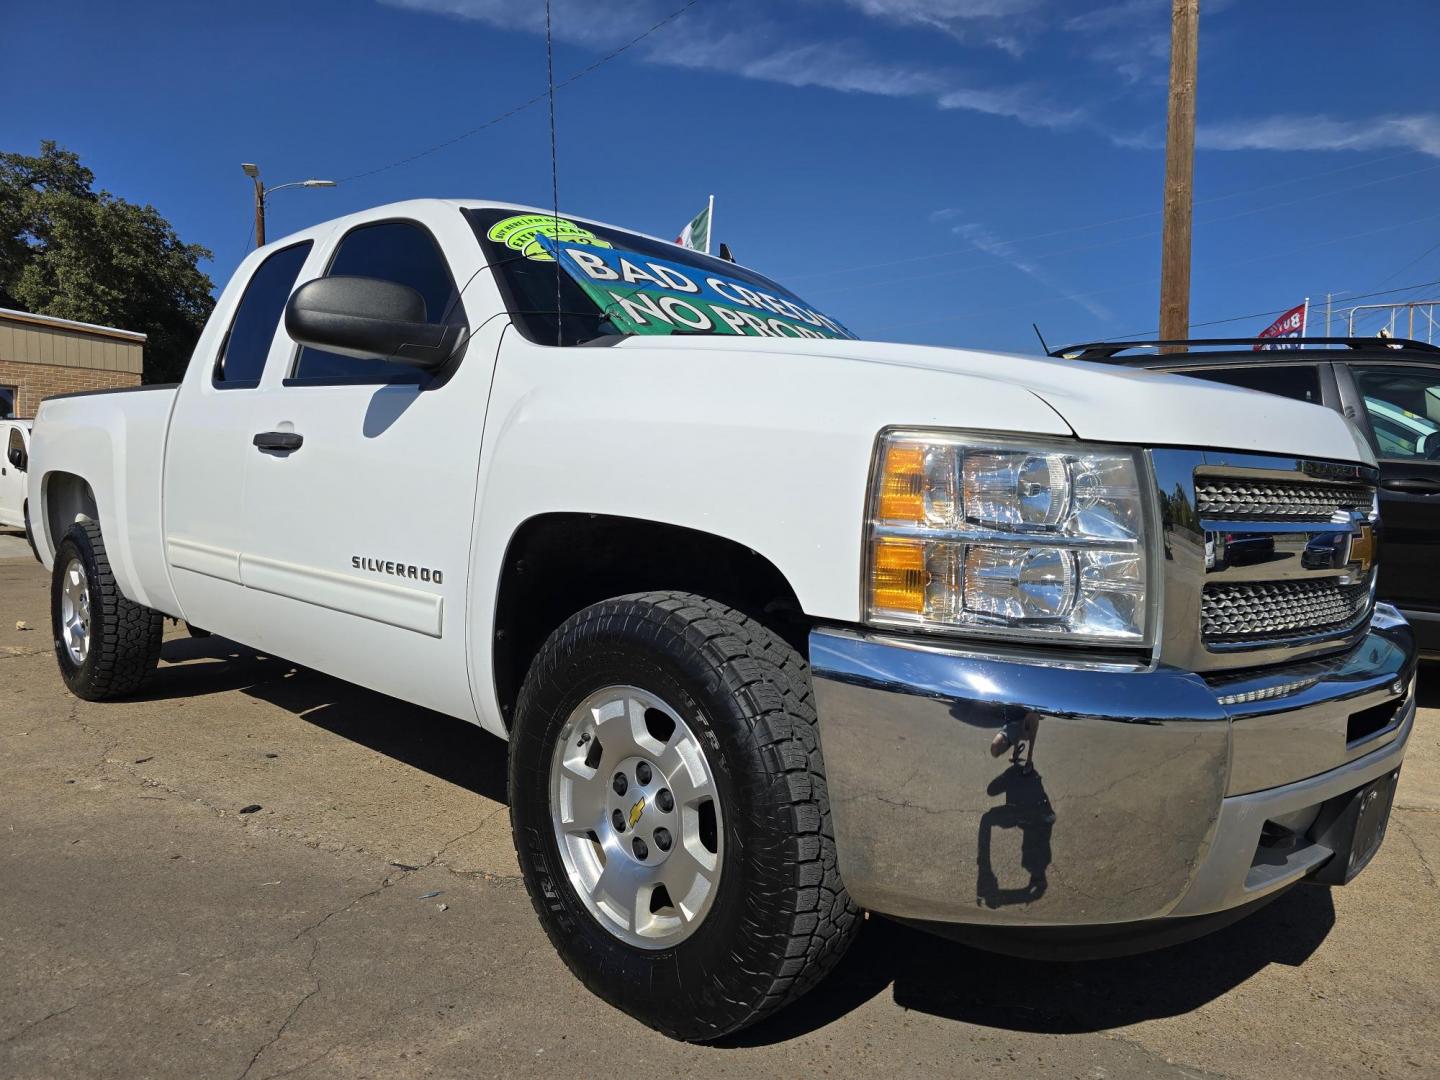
(923, 972)
(948, 980)
(452, 750)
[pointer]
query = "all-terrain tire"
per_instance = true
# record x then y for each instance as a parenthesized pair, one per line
(124, 638)
(781, 918)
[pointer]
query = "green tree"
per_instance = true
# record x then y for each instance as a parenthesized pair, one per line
(76, 253)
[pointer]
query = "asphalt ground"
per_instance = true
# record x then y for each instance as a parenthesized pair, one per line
(151, 927)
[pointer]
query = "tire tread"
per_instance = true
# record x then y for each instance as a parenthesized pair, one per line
(803, 921)
(125, 636)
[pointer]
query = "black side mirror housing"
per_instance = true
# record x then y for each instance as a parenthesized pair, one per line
(18, 458)
(369, 318)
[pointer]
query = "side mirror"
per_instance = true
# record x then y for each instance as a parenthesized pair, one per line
(368, 318)
(18, 458)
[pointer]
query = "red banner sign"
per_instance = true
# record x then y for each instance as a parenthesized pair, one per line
(1289, 325)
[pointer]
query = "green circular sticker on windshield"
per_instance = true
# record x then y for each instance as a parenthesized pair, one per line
(519, 234)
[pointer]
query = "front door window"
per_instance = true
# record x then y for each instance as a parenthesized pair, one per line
(1404, 409)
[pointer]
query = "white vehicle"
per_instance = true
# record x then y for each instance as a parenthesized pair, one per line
(780, 625)
(15, 438)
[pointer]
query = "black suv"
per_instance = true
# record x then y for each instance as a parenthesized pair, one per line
(1390, 389)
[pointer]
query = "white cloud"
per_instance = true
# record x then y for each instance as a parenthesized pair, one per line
(1131, 37)
(829, 65)
(1119, 16)
(1001, 24)
(1415, 131)
(934, 12)
(1017, 103)
(951, 16)
(581, 22)
(984, 240)
(1138, 57)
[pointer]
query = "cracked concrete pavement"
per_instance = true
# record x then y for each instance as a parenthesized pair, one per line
(148, 927)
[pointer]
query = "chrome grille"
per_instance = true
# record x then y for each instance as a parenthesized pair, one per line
(1263, 611)
(1232, 498)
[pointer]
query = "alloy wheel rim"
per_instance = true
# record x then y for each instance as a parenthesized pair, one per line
(75, 612)
(636, 816)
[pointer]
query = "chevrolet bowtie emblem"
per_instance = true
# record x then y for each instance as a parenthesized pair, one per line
(636, 811)
(1362, 548)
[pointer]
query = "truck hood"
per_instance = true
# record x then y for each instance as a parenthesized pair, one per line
(1098, 402)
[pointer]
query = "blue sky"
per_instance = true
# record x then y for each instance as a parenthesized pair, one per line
(941, 171)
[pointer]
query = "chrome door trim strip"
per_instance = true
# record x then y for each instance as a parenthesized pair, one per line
(379, 601)
(206, 559)
(393, 605)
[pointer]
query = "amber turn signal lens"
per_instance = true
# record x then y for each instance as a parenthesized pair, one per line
(897, 576)
(902, 485)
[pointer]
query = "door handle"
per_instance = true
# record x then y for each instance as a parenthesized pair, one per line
(278, 440)
(1412, 485)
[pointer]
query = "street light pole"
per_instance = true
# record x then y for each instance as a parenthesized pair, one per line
(253, 171)
(261, 191)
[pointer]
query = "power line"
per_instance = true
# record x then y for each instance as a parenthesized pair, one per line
(527, 104)
(1418, 258)
(1151, 281)
(1149, 214)
(1279, 311)
(994, 249)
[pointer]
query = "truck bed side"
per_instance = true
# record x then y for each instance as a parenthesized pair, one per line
(102, 455)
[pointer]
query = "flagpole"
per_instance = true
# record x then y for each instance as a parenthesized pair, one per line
(1305, 318)
(711, 230)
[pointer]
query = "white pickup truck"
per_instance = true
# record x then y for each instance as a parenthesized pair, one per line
(775, 620)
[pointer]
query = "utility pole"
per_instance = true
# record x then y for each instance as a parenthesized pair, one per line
(261, 191)
(1179, 173)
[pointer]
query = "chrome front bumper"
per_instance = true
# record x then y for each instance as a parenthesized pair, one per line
(1141, 792)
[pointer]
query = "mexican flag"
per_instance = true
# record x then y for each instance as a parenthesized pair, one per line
(696, 235)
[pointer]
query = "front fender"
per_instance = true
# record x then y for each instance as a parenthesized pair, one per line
(769, 450)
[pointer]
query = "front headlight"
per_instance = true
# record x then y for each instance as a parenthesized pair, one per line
(988, 536)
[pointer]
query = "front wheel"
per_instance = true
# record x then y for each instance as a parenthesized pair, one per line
(106, 644)
(669, 807)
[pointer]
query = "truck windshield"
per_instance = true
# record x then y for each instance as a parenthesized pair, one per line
(570, 282)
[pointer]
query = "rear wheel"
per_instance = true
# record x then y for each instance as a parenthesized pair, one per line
(669, 807)
(106, 645)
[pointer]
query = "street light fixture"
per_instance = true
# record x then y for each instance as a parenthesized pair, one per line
(261, 191)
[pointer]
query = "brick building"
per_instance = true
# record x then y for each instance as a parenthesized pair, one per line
(41, 356)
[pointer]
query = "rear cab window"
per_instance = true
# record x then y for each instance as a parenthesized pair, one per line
(1300, 382)
(247, 344)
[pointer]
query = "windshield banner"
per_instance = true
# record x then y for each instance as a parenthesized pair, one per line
(643, 295)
